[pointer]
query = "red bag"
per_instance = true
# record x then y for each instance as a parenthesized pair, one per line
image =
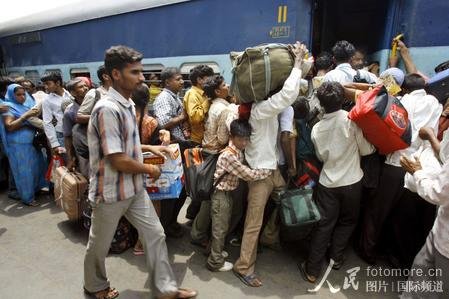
(55, 162)
(383, 120)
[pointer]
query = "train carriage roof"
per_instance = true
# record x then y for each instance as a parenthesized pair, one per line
(77, 12)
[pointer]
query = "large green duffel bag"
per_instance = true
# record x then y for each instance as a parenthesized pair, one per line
(260, 71)
(297, 208)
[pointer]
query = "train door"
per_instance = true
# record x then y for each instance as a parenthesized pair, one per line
(365, 23)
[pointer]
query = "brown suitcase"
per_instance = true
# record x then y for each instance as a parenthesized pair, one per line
(70, 188)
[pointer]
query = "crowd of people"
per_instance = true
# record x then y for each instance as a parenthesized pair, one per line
(388, 203)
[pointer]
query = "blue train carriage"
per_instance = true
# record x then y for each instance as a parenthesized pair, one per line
(185, 33)
(168, 33)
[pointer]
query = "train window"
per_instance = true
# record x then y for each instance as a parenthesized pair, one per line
(14, 74)
(33, 76)
(185, 71)
(53, 70)
(79, 72)
(152, 73)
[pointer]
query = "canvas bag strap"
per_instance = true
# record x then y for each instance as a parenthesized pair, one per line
(266, 59)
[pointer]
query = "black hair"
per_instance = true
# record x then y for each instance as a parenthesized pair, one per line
(413, 82)
(40, 86)
(117, 57)
(19, 87)
(324, 61)
(52, 76)
(211, 85)
(240, 128)
(200, 71)
(301, 108)
(71, 85)
(141, 97)
(28, 81)
(343, 51)
(4, 82)
(168, 73)
(331, 96)
(100, 72)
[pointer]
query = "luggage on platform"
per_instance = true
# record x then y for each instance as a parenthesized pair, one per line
(70, 188)
(259, 72)
(125, 235)
(383, 120)
(438, 86)
(297, 208)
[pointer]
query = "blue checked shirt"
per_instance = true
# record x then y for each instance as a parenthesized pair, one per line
(167, 106)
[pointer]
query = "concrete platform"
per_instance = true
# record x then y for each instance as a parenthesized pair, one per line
(41, 256)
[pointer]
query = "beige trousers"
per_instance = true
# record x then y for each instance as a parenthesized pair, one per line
(259, 192)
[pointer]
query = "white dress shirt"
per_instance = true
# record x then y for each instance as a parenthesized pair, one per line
(339, 143)
(434, 188)
(423, 111)
(344, 73)
(51, 106)
(285, 125)
(261, 152)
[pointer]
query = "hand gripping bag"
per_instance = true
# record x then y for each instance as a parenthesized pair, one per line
(383, 120)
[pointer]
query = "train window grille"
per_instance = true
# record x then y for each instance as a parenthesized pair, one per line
(33, 76)
(14, 74)
(79, 72)
(152, 73)
(185, 71)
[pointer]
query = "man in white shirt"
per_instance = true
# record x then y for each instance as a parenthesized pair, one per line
(433, 186)
(423, 111)
(343, 52)
(51, 109)
(338, 143)
(261, 154)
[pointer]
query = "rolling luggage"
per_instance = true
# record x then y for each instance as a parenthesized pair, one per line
(438, 86)
(383, 120)
(70, 188)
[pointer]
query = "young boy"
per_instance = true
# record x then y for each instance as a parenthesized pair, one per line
(228, 171)
(338, 143)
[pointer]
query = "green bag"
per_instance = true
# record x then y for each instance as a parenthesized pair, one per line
(298, 208)
(260, 71)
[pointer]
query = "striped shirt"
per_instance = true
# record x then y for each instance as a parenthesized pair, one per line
(113, 129)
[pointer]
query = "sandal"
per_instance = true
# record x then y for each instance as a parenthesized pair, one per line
(184, 293)
(250, 280)
(31, 204)
(138, 251)
(108, 293)
(304, 274)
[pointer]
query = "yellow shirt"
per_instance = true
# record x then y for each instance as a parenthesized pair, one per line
(196, 106)
(154, 92)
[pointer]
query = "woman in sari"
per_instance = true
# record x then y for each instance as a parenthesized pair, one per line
(27, 164)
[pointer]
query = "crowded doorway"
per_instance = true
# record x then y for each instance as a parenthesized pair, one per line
(361, 22)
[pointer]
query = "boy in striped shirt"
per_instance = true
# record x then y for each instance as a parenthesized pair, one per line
(229, 170)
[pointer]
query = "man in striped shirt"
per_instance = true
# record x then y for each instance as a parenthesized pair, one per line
(117, 185)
